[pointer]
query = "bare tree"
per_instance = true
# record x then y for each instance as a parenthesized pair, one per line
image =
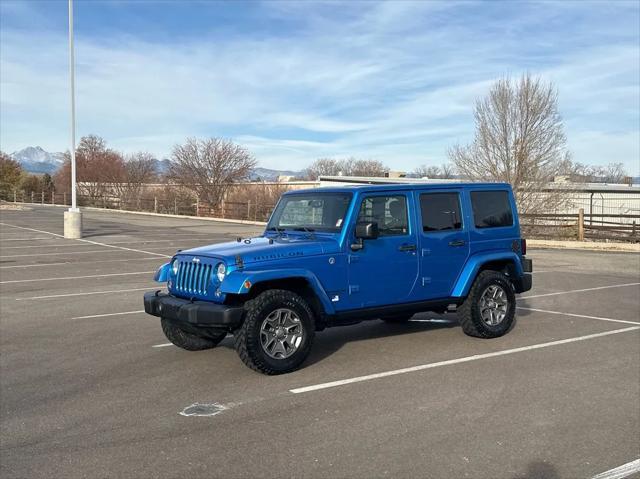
(139, 169)
(424, 171)
(447, 171)
(347, 167)
(615, 173)
(519, 139)
(98, 168)
(208, 167)
(322, 167)
(444, 172)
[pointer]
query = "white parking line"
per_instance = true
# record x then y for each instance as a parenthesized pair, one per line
(45, 246)
(162, 345)
(87, 241)
(578, 315)
(68, 253)
(619, 472)
(74, 277)
(475, 357)
(580, 290)
(148, 288)
(24, 239)
(109, 314)
(153, 258)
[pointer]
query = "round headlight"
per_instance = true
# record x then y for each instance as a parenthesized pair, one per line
(221, 270)
(174, 266)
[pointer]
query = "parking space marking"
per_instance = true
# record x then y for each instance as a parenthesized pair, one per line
(23, 239)
(164, 345)
(32, 229)
(87, 241)
(449, 362)
(45, 246)
(50, 296)
(577, 315)
(620, 472)
(108, 314)
(125, 249)
(74, 277)
(69, 253)
(579, 290)
(153, 258)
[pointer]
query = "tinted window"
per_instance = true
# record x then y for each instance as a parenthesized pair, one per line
(440, 212)
(390, 212)
(491, 209)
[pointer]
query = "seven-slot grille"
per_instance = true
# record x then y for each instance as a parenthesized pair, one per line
(193, 277)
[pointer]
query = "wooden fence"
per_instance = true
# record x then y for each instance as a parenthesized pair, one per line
(581, 226)
(570, 226)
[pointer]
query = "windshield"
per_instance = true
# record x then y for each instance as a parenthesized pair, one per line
(310, 212)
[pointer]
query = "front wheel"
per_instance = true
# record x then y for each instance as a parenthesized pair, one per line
(277, 332)
(489, 309)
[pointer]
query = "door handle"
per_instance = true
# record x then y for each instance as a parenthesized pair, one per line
(457, 243)
(407, 247)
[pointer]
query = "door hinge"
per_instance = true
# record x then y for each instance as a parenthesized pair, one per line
(353, 288)
(426, 280)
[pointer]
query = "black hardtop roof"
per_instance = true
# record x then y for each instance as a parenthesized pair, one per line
(402, 187)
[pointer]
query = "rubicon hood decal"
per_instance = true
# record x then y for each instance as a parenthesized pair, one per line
(265, 249)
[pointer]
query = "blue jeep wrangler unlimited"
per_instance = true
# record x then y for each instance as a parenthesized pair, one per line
(336, 256)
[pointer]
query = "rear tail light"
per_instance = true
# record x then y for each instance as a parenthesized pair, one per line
(523, 246)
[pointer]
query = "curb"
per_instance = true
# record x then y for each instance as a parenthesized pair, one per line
(148, 213)
(583, 245)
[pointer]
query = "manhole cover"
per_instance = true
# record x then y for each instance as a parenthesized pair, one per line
(198, 409)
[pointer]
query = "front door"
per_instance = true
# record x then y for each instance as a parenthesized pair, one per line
(444, 243)
(385, 270)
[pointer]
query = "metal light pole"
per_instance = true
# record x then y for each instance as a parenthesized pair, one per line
(72, 217)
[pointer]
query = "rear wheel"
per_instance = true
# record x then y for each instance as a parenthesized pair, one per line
(193, 340)
(489, 309)
(277, 332)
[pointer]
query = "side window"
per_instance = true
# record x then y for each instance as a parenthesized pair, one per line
(491, 209)
(390, 212)
(440, 212)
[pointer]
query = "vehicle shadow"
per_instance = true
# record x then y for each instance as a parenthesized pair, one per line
(331, 340)
(539, 470)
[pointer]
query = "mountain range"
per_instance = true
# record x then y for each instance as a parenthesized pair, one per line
(34, 159)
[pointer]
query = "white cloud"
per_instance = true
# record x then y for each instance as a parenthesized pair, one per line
(394, 81)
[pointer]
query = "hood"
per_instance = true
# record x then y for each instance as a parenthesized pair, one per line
(253, 250)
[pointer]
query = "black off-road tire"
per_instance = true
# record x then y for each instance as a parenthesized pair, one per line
(247, 337)
(189, 340)
(398, 318)
(469, 312)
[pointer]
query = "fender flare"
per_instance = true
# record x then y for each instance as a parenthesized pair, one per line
(162, 275)
(474, 263)
(236, 282)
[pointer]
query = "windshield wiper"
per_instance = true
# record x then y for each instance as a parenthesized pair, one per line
(277, 230)
(306, 230)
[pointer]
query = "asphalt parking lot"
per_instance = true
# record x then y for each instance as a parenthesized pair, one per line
(90, 388)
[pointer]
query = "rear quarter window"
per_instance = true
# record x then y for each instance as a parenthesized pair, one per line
(491, 209)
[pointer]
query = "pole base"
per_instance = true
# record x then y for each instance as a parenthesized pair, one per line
(72, 224)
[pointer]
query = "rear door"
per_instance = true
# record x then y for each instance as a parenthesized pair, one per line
(385, 271)
(444, 242)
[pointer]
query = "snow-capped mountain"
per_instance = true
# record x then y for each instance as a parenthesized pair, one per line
(36, 160)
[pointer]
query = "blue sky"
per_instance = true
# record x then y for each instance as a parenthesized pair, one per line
(298, 80)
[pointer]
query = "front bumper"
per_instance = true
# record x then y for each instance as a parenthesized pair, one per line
(196, 313)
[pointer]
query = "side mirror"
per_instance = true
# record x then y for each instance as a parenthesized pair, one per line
(367, 230)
